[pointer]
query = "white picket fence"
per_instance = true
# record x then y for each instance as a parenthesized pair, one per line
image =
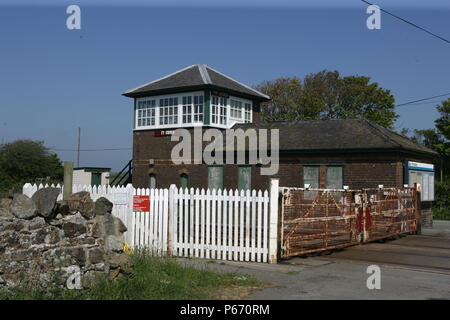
(149, 230)
(223, 224)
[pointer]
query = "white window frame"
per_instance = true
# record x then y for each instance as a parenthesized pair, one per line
(219, 111)
(180, 123)
(246, 114)
(230, 120)
(197, 115)
(187, 112)
(146, 113)
(236, 109)
(170, 111)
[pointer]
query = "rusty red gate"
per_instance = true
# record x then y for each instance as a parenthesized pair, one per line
(389, 212)
(314, 220)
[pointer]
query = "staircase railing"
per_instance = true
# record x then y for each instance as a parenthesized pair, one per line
(124, 175)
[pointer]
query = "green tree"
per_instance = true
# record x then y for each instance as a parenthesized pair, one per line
(24, 161)
(429, 138)
(284, 93)
(438, 139)
(327, 95)
(443, 127)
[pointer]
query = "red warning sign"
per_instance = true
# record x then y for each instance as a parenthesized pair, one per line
(141, 203)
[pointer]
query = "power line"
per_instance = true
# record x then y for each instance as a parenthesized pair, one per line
(106, 149)
(426, 102)
(424, 99)
(411, 23)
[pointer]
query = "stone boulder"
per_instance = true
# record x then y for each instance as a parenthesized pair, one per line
(62, 207)
(81, 202)
(5, 208)
(102, 206)
(74, 226)
(114, 243)
(45, 200)
(107, 225)
(120, 261)
(23, 207)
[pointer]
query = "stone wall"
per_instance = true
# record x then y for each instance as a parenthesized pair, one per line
(44, 242)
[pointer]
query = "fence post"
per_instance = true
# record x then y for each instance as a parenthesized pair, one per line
(171, 221)
(418, 211)
(273, 221)
(129, 214)
(68, 178)
(132, 230)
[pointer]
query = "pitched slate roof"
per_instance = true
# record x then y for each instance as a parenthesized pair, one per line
(197, 76)
(337, 135)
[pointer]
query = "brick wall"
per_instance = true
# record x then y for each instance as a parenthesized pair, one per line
(372, 174)
(360, 170)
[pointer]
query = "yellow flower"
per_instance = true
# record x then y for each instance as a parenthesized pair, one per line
(127, 249)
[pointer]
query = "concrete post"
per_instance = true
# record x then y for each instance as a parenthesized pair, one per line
(68, 179)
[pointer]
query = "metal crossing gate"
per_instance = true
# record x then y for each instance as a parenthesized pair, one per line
(389, 212)
(314, 220)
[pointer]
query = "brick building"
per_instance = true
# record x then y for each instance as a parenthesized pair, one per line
(321, 153)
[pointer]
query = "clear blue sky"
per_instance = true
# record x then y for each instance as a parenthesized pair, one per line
(53, 80)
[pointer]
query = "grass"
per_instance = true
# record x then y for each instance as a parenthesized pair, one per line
(153, 279)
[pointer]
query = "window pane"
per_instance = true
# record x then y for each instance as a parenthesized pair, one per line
(215, 177)
(244, 178)
(426, 181)
(311, 176)
(146, 113)
(334, 178)
(184, 181)
(431, 186)
(425, 186)
(152, 181)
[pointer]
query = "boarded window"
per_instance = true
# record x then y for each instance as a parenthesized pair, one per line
(334, 178)
(244, 178)
(215, 177)
(152, 181)
(184, 181)
(311, 176)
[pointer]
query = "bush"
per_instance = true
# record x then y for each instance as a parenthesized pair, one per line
(441, 206)
(25, 161)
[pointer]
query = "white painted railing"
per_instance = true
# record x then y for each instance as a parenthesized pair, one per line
(223, 224)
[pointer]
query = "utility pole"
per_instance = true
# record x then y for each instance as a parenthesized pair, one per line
(78, 149)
